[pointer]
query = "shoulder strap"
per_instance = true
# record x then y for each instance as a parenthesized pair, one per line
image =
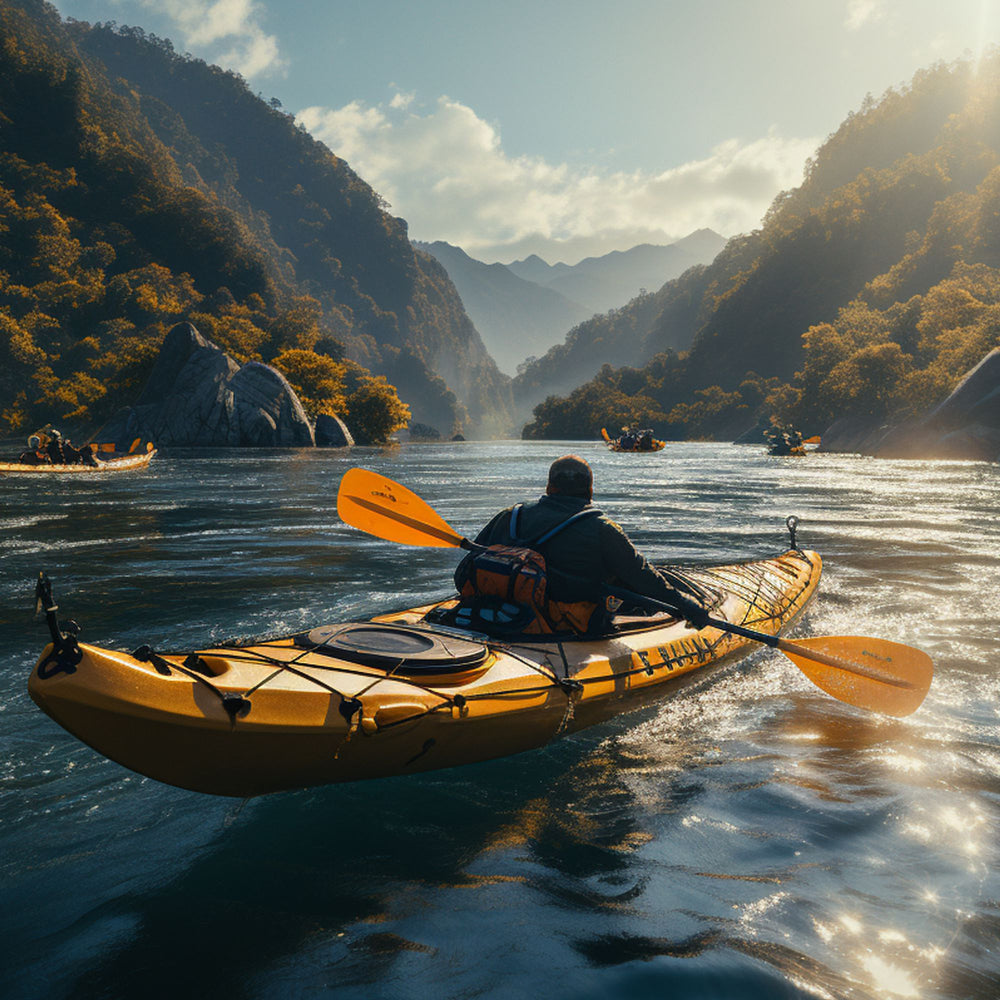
(512, 528)
(572, 519)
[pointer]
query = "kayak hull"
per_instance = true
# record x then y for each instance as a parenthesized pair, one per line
(288, 713)
(127, 463)
(657, 446)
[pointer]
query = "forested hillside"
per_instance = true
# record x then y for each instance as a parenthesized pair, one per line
(139, 188)
(650, 323)
(868, 290)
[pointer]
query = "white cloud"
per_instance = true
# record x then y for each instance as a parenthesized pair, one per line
(862, 12)
(444, 170)
(206, 23)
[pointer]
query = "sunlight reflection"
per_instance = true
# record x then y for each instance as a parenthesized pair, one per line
(754, 910)
(892, 936)
(898, 761)
(813, 989)
(918, 831)
(888, 977)
(965, 819)
(825, 931)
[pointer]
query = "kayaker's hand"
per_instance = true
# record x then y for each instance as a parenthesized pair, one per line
(692, 612)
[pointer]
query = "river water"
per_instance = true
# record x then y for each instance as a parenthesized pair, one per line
(751, 838)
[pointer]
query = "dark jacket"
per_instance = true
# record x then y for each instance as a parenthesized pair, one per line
(580, 559)
(55, 452)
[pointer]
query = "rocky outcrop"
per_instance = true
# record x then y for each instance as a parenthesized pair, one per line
(197, 395)
(332, 432)
(424, 432)
(965, 426)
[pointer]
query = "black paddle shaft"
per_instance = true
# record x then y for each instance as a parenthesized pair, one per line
(697, 615)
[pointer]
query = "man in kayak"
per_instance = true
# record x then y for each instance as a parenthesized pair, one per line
(56, 449)
(61, 451)
(585, 552)
(34, 455)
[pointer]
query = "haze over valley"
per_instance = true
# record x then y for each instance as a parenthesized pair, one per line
(523, 308)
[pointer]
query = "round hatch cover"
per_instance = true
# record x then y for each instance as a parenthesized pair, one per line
(406, 650)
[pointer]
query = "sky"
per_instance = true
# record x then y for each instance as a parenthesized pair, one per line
(568, 128)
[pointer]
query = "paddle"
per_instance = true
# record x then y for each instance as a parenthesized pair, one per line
(873, 674)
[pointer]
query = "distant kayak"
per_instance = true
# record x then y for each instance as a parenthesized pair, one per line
(126, 463)
(629, 443)
(397, 693)
(114, 463)
(785, 442)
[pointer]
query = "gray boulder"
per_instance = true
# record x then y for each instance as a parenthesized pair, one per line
(197, 395)
(965, 426)
(423, 432)
(268, 414)
(332, 432)
(853, 434)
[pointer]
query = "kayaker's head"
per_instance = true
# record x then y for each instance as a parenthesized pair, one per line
(34, 442)
(570, 476)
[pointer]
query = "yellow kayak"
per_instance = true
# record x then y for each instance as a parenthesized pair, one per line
(396, 694)
(123, 463)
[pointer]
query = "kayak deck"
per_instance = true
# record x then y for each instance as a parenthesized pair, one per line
(395, 694)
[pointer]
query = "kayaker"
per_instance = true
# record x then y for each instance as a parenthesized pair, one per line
(35, 455)
(56, 451)
(85, 455)
(585, 557)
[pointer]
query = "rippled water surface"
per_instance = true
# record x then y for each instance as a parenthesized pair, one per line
(750, 838)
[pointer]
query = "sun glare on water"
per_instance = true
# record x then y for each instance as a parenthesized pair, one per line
(888, 978)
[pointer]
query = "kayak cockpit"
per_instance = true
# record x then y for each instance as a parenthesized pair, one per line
(403, 649)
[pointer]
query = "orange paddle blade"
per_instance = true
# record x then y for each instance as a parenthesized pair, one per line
(377, 505)
(815, 439)
(605, 434)
(875, 674)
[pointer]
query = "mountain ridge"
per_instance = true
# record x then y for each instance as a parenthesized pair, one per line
(515, 317)
(615, 278)
(521, 317)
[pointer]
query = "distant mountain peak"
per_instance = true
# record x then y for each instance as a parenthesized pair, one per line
(525, 307)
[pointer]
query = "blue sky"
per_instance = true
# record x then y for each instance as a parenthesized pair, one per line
(568, 127)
